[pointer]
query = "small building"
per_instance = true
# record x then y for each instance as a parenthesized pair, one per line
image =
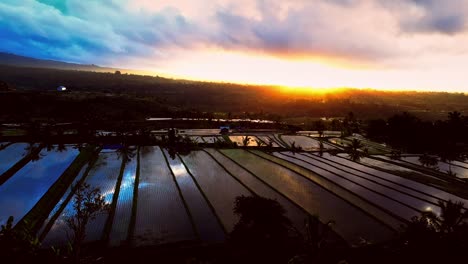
(61, 88)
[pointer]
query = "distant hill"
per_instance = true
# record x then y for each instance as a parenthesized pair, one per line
(21, 61)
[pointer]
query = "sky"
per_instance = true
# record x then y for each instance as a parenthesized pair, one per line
(381, 44)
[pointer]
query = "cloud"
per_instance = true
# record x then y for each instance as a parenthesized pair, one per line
(430, 16)
(308, 30)
(111, 31)
(88, 31)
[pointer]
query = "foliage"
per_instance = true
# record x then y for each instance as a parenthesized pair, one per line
(354, 150)
(444, 138)
(263, 230)
(436, 237)
(17, 245)
(294, 148)
(245, 141)
(428, 161)
(87, 204)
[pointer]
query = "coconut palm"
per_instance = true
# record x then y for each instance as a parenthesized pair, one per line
(428, 161)
(126, 153)
(452, 216)
(245, 141)
(354, 150)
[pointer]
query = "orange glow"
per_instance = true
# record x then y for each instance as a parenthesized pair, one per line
(293, 75)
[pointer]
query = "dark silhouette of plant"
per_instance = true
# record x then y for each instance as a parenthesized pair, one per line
(17, 246)
(315, 242)
(61, 147)
(126, 152)
(448, 154)
(321, 148)
(395, 154)
(270, 143)
(245, 141)
(354, 150)
(87, 204)
(295, 148)
(260, 143)
(263, 230)
(350, 125)
(32, 150)
(428, 161)
(320, 127)
(433, 237)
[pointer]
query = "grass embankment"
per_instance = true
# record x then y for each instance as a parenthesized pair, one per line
(33, 220)
(204, 196)
(57, 214)
(20, 164)
(5, 145)
(380, 214)
(435, 179)
(302, 209)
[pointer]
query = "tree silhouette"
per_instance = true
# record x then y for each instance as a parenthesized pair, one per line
(87, 203)
(428, 161)
(263, 229)
(444, 236)
(354, 150)
(245, 141)
(126, 152)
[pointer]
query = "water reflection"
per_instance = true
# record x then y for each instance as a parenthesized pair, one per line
(20, 193)
(179, 170)
(10, 155)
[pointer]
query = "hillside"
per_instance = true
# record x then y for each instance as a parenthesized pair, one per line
(148, 95)
(21, 61)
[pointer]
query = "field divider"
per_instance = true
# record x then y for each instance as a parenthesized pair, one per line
(380, 214)
(416, 179)
(115, 197)
(6, 145)
(20, 164)
(327, 161)
(192, 221)
(416, 167)
(131, 224)
(34, 219)
(281, 140)
(228, 172)
(365, 187)
(280, 144)
(205, 197)
(302, 209)
(57, 214)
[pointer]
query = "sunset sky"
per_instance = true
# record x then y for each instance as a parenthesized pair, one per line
(382, 44)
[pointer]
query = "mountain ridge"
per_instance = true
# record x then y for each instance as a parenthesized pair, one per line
(11, 59)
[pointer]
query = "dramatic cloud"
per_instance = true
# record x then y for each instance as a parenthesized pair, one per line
(426, 16)
(392, 36)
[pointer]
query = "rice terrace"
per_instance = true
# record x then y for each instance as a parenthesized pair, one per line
(160, 196)
(233, 131)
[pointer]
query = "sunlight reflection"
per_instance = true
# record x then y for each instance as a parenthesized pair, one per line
(179, 170)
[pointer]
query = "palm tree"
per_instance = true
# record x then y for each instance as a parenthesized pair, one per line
(444, 235)
(428, 161)
(321, 148)
(126, 153)
(354, 150)
(245, 141)
(452, 216)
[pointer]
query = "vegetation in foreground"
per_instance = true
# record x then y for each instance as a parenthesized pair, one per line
(263, 235)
